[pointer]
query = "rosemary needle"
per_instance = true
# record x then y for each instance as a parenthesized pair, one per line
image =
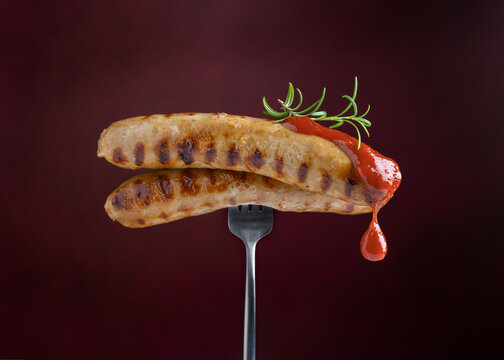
(313, 112)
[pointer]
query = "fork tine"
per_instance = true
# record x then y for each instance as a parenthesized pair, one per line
(234, 210)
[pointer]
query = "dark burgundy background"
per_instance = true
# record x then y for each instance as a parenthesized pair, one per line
(74, 285)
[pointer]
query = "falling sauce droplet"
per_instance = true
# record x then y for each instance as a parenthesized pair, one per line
(373, 245)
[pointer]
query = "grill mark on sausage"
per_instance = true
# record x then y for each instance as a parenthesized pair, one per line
(209, 205)
(372, 195)
(165, 186)
(188, 184)
(142, 193)
(349, 208)
(326, 181)
(349, 187)
(141, 221)
(220, 181)
(302, 172)
(139, 153)
(211, 177)
(117, 156)
(255, 160)
(186, 210)
(279, 163)
(146, 117)
(267, 182)
(367, 194)
(327, 206)
(190, 114)
(163, 216)
(240, 177)
(210, 153)
(185, 150)
(120, 202)
(233, 156)
(232, 201)
(117, 200)
(163, 152)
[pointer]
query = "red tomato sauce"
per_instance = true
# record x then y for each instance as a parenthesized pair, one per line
(379, 174)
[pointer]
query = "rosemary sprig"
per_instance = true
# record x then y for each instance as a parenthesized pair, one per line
(315, 114)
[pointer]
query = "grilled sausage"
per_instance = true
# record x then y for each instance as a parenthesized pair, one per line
(236, 143)
(167, 195)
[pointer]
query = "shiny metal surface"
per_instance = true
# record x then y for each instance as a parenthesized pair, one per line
(250, 223)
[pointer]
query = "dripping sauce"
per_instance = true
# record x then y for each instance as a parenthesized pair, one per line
(379, 174)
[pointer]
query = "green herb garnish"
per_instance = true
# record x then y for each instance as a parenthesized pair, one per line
(315, 114)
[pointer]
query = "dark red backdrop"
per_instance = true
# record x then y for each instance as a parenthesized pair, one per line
(74, 285)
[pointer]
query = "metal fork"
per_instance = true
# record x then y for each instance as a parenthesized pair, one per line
(250, 223)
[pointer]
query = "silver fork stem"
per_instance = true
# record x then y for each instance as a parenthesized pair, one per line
(249, 325)
(250, 223)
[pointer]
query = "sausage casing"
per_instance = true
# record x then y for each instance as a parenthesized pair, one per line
(239, 143)
(167, 195)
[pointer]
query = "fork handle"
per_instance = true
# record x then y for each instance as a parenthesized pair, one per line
(249, 325)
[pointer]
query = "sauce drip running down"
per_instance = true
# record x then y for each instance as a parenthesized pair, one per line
(380, 175)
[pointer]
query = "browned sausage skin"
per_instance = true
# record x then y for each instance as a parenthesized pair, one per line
(167, 195)
(239, 143)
